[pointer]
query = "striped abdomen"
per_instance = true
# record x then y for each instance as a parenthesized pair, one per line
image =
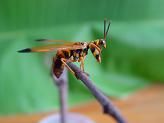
(57, 67)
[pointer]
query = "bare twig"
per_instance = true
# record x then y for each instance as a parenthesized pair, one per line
(62, 85)
(107, 105)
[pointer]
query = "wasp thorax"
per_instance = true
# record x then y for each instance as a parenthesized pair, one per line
(85, 44)
(102, 42)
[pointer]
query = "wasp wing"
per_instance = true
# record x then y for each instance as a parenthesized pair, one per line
(54, 47)
(55, 41)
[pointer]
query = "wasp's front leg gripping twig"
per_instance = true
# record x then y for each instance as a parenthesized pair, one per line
(82, 66)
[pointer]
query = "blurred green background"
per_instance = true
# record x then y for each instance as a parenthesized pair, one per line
(134, 57)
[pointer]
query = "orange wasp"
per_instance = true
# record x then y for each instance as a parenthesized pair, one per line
(70, 52)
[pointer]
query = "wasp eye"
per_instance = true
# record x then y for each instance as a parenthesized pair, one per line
(101, 42)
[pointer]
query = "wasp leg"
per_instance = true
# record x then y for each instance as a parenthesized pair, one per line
(93, 45)
(82, 65)
(64, 62)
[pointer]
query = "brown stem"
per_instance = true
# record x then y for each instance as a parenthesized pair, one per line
(108, 107)
(62, 85)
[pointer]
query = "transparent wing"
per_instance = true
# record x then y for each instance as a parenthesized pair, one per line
(54, 47)
(55, 41)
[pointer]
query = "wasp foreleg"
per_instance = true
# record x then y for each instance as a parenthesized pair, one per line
(82, 65)
(95, 46)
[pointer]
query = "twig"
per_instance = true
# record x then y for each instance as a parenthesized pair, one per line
(62, 85)
(107, 105)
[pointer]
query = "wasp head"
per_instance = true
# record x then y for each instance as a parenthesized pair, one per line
(102, 43)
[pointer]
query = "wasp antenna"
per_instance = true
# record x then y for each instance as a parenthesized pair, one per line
(104, 28)
(27, 50)
(41, 40)
(107, 30)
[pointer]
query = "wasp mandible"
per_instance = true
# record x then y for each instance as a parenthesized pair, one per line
(70, 51)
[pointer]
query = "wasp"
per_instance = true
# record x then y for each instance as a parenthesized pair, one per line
(67, 51)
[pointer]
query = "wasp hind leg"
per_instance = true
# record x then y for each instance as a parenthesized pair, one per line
(65, 64)
(82, 66)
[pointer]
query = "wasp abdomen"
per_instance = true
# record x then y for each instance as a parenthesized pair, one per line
(57, 67)
(66, 53)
